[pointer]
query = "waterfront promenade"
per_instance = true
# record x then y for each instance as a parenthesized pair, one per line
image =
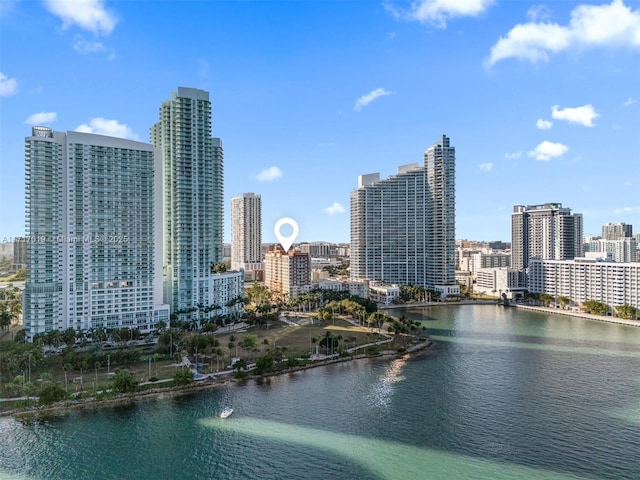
(554, 311)
(573, 313)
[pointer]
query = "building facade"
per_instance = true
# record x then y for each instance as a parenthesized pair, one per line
(193, 203)
(403, 228)
(546, 231)
(19, 254)
(622, 250)
(93, 248)
(287, 272)
(587, 278)
(616, 231)
(246, 232)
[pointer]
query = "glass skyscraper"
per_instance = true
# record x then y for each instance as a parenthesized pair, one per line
(193, 208)
(403, 228)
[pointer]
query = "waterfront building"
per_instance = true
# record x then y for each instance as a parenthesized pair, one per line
(93, 242)
(383, 293)
(403, 228)
(287, 272)
(547, 231)
(246, 233)
(193, 191)
(594, 277)
(616, 231)
(354, 287)
(498, 281)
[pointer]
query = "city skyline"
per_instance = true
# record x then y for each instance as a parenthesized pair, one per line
(307, 103)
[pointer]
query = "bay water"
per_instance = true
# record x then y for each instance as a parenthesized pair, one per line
(502, 394)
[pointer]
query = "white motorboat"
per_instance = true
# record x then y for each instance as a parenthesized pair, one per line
(226, 412)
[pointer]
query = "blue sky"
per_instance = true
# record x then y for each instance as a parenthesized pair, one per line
(541, 100)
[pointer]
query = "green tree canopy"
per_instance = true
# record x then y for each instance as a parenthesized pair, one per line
(125, 382)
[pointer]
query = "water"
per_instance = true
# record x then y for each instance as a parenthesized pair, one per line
(504, 394)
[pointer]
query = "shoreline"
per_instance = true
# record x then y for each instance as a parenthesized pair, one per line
(534, 308)
(67, 406)
(587, 316)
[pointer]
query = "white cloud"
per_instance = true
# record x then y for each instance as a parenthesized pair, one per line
(583, 115)
(591, 26)
(627, 184)
(487, 167)
(365, 100)
(512, 156)
(8, 86)
(547, 150)
(627, 210)
(89, 15)
(544, 124)
(85, 48)
(437, 12)
(269, 174)
(333, 209)
(41, 118)
(538, 12)
(111, 128)
(630, 101)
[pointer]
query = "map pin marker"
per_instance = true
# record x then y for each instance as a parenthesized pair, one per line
(286, 240)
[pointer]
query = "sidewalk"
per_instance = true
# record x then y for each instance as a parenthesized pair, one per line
(571, 313)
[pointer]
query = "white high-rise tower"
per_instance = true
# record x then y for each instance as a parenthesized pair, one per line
(93, 217)
(403, 228)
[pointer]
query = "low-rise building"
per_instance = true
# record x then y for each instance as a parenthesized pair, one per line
(498, 281)
(383, 293)
(594, 277)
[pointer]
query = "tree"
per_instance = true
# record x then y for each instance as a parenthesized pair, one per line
(20, 336)
(5, 320)
(564, 301)
(595, 308)
(218, 268)
(264, 364)
(125, 382)
(627, 311)
(51, 393)
(183, 376)
(545, 298)
(69, 336)
(249, 342)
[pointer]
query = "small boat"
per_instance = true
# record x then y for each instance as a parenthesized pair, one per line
(226, 412)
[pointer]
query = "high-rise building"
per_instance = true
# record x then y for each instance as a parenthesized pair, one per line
(93, 219)
(623, 250)
(403, 228)
(246, 232)
(193, 207)
(19, 254)
(440, 162)
(547, 231)
(616, 231)
(287, 272)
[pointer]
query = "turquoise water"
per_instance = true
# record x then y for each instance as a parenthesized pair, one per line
(503, 394)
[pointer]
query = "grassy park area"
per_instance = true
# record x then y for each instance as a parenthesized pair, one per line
(94, 370)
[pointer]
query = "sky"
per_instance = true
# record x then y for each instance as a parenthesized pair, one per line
(540, 99)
